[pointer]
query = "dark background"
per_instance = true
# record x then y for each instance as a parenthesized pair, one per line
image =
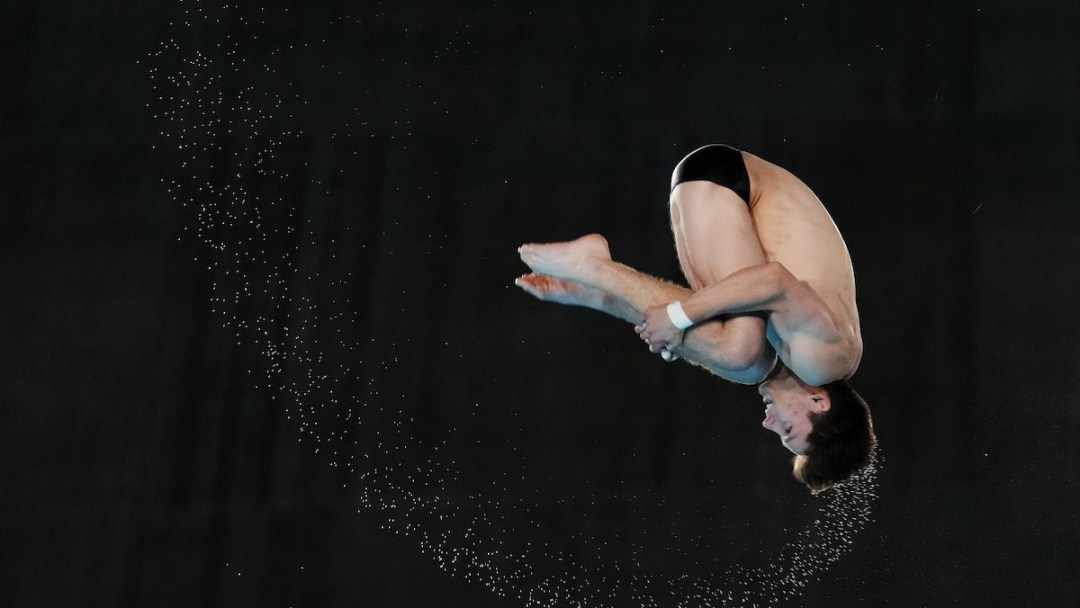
(148, 460)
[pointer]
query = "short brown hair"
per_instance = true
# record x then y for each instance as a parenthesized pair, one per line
(841, 442)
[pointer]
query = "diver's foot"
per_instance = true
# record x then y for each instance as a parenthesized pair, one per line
(560, 291)
(566, 260)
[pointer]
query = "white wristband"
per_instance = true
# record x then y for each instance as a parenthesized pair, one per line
(677, 316)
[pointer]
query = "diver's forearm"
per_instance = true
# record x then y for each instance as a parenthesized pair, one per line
(752, 289)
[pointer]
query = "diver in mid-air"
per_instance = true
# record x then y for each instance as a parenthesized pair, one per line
(771, 301)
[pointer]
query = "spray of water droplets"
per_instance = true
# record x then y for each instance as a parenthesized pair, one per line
(233, 124)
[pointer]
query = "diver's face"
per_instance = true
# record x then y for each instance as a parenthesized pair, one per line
(788, 405)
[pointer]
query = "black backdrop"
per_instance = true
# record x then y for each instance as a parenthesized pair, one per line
(145, 461)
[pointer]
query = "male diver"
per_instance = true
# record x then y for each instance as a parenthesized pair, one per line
(770, 278)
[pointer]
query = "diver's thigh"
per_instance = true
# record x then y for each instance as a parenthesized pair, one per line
(714, 232)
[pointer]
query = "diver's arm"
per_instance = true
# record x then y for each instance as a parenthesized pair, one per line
(771, 288)
(793, 306)
(760, 288)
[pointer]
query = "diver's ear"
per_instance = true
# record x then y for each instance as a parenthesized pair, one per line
(821, 402)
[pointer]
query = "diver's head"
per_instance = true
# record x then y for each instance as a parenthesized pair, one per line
(789, 405)
(828, 428)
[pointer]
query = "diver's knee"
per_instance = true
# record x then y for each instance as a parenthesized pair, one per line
(737, 344)
(746, 350)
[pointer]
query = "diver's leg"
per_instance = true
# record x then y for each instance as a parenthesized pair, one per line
(572, 293)
(714, 238)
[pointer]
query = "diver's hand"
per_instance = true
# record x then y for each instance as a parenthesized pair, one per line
(658, 331)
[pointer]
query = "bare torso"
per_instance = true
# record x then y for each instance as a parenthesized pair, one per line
(796, 230)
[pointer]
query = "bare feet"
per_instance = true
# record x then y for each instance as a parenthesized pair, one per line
(566, 260)
(560, 291)
(572, 293)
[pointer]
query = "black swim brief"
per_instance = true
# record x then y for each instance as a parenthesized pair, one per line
(717, 163)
